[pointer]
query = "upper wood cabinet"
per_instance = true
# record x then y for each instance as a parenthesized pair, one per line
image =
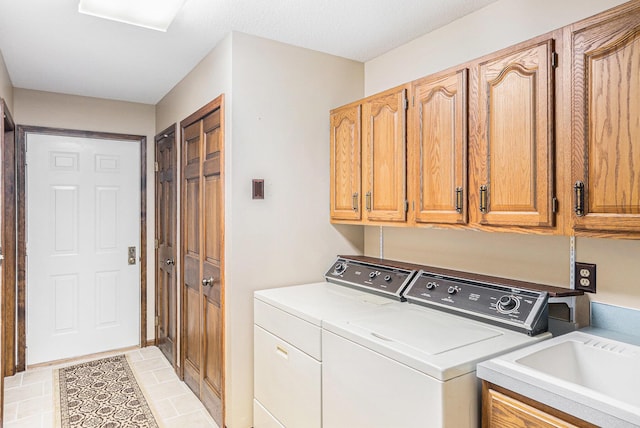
(437, 149)
(511, 138)
(606, 121)
(369, 160)
(384, 155)
(346, 189)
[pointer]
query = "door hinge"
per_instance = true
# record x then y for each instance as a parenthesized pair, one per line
(554, 59)
(157, 320)
(554, 205)
(157, 243)
(406, 206)
(156, 167)
(406, 103)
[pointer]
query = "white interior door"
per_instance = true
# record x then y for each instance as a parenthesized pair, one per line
(83, 212)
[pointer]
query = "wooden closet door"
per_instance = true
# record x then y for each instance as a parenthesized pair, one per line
(203, 257)
(166, 315)
(211, 381)
(191, 235)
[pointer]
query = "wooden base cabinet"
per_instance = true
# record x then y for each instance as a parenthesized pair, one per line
(502, 408)
(368, 154)
(606, 121)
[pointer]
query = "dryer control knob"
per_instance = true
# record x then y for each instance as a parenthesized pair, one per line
(340, 267)
(431, 285)
(387, 278)
(507, 303)
(452, 290)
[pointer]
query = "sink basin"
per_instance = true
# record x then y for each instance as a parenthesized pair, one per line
(589, 376)
(603, 366)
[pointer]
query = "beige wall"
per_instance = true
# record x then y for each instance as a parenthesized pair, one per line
(499, 25)
(277, 100)
(48, 109)
(6, 88)
(282, 96)
(535, 258)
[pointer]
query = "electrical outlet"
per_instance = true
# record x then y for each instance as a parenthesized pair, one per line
(585, 277)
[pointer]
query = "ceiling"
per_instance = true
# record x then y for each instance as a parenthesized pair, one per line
(47, 45)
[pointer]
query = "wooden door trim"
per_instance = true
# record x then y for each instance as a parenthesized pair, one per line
(217, 103)
(167, 131)
(8, 243)
(23, 130)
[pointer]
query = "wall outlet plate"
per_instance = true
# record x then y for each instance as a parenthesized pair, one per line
(585, 277)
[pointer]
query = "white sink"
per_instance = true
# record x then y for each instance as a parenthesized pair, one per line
(579, 370)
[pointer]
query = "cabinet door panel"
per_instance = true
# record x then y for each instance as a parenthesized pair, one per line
(513, 145)
(504, 411)
(438, 149)
(346, 170)
(606, 123)
(384, 120)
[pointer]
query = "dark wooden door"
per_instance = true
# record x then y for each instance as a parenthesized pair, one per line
(203, 243)
(166, 303)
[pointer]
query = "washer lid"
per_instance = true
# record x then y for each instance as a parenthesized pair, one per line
(428, 332)
(438, 344)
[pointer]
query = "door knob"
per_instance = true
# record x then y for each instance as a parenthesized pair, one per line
(170, 262)
(207, 282)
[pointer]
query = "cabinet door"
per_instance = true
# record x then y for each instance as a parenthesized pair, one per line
(504, 411)
(345, 164)
(384, 173)
(512, 142)
(606, 123)
(438, 149)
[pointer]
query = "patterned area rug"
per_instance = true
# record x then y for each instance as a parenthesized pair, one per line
(101, 394)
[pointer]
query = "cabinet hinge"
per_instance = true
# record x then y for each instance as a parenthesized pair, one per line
(554, 204)
(156, 167)
(157, 244)
(406, 103)
(406, 206)
(554, 59)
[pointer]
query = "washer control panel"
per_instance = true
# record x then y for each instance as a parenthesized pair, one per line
(518, 309)
(375, 278)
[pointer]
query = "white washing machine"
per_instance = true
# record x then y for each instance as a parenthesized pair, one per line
(408, 366)
(288, 340)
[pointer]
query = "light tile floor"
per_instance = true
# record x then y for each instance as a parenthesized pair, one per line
(28, 399)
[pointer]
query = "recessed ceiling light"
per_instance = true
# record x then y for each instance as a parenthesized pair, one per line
(154, 14)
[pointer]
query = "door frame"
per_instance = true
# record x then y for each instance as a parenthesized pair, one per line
(23, 131)
(158, 137)
(216, 104)
(8, 242)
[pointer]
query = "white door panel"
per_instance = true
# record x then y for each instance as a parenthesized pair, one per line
(83, 212)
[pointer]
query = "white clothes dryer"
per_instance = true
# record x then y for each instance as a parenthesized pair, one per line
(288, 341)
